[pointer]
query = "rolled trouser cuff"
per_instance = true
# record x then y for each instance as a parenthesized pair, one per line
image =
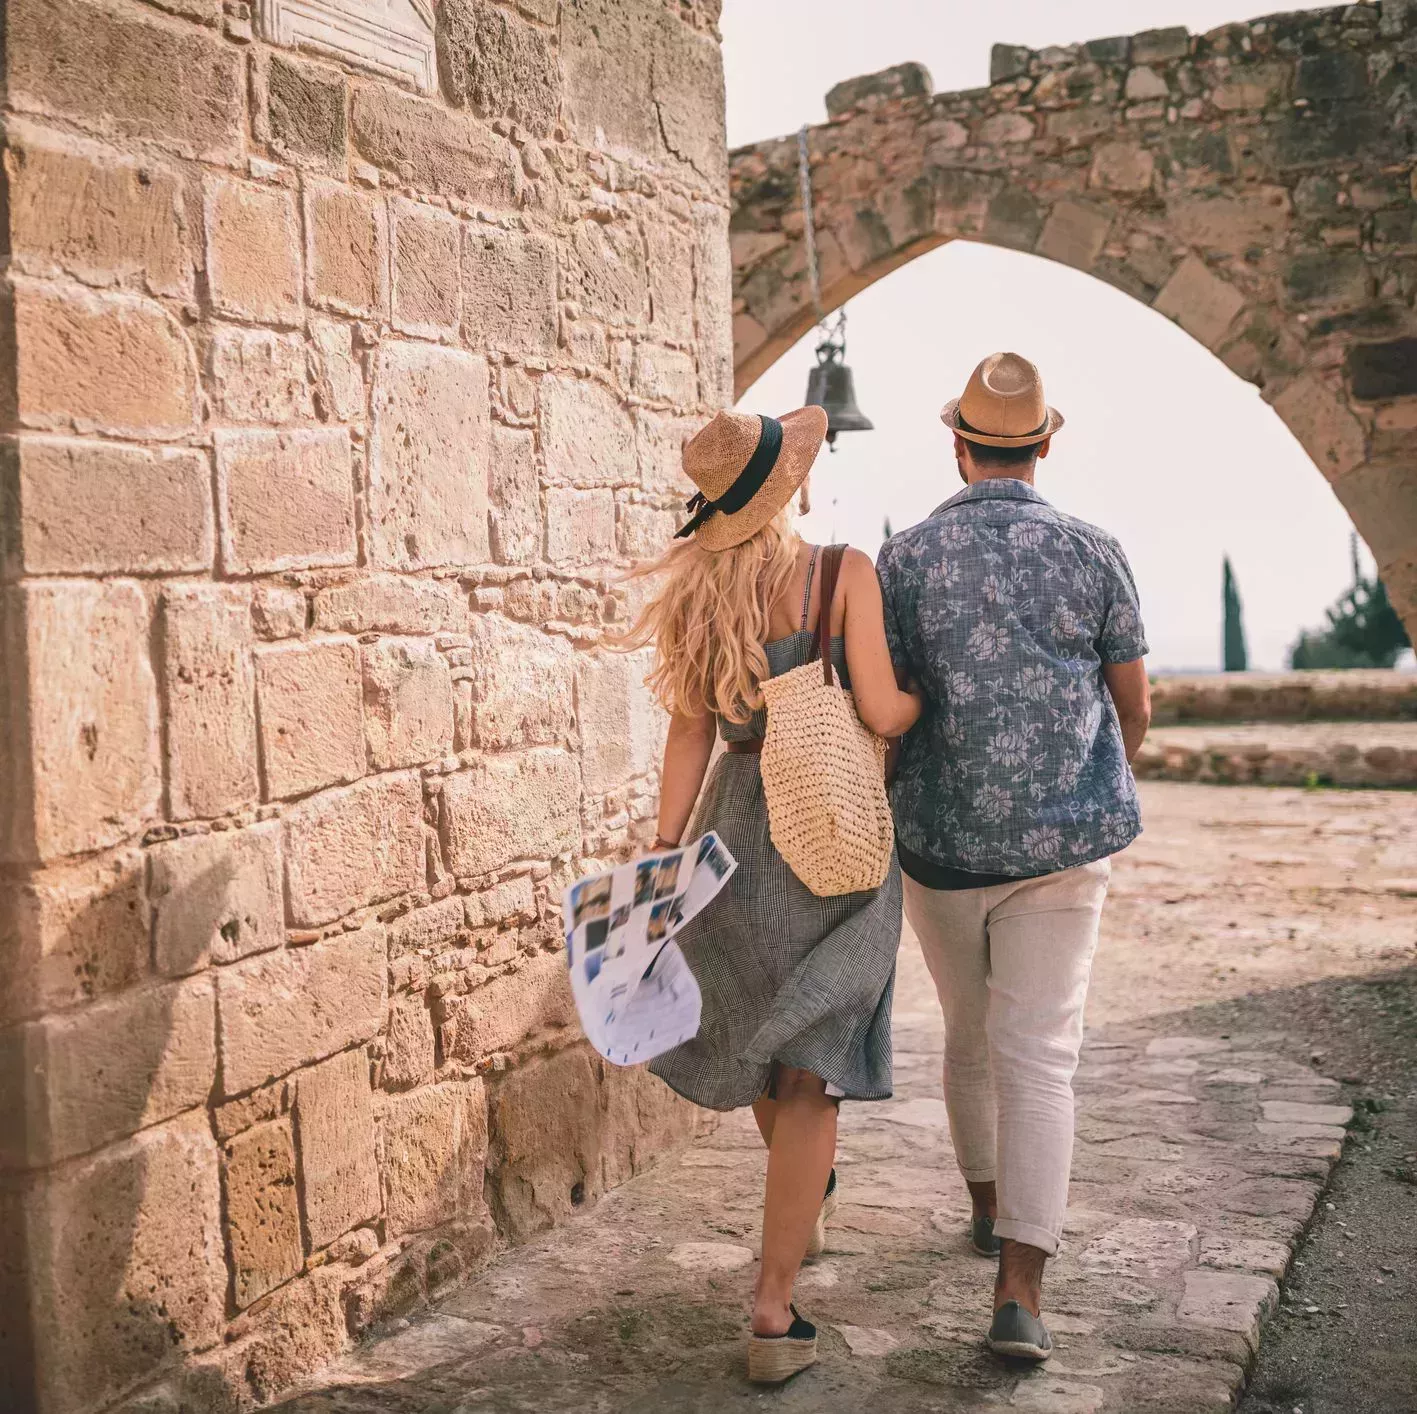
(1016, 1231)
(986, 1175)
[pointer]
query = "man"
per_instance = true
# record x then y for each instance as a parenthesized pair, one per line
(1021, 625)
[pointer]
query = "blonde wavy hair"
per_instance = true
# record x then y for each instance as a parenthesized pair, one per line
(708, 620)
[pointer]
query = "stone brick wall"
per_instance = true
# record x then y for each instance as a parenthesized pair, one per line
(332, 411)
(1353, 695)
(1255, 184)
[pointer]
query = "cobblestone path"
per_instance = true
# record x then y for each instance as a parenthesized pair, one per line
(1200, 1160)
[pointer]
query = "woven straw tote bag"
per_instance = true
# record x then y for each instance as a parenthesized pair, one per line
(824, 771)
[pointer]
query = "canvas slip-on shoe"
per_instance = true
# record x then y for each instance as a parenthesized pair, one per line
(1018, 1333)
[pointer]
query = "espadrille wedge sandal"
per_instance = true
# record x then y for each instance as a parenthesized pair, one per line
(816, 1243)
(772, 1359)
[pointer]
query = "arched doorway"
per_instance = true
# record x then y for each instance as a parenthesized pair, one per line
(1254, 185)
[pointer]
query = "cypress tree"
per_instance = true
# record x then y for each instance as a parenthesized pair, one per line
(1236, 658)
(886, 528)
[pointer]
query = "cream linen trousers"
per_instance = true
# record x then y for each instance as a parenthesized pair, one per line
(1011, 964)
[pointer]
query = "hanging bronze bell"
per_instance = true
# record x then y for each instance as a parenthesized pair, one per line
(831, 386)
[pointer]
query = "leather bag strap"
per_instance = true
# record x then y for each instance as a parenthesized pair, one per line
(831, 566)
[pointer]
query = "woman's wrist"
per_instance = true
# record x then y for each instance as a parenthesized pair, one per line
(661, 843)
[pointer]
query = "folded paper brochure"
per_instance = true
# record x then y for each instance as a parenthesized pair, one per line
(633, 988)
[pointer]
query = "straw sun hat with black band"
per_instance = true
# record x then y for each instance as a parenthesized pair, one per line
(747, 468)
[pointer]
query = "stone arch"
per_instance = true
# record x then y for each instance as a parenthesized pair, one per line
(1257, 184)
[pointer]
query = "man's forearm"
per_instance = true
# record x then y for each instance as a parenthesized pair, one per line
(1134, 730)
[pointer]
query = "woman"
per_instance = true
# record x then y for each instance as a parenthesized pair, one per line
(796, 988)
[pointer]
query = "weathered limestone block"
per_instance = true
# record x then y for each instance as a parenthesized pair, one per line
(644, 531)
(253, 250)
(91, 777)
(216, 897)
(620, 724)
(432, 1151)
(436, 151)
(303, 1328)
(1383, 370)
(347, 848)
(1157, 46)
(88, 1077)
(1329, 432)
(113, 363)
(509, 291)
(200, 117)
(125, 1262)
(1382, 497)
(277, 612)
(606, 274)
(210, 700)
(1074, 234)
(312, 728)
(262, 1210)
(521, 686)
(659, 443)
(257, 375)
(286, 498)
(1120, 166)
(666, 375)
(382, 603)
(338, 371)
(101, 508)
(285, 1009)
(72, 933)
(508, 1010)
(1144, 84)
(498, 65)
(93, 213)
(671, 280)
(1231, 224)
(713, 304)
(644, 1119)
(1202, 303)
(408, 703)
(1254, 86)
(514, 490)
(430, 929)
(640, 82)
(302, 115)
(587, 438)
(334, 1131)
(505, 808)
(547, 1135)
(892, 85)
(408, 1041)
(512, 901)
(1014, 219)
(347, 250)
(429, 458)
(580, 526)
(427, 279)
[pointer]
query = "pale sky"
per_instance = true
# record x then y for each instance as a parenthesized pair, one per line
(1163, 446)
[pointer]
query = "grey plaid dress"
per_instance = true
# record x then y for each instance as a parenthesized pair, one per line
(786, 976)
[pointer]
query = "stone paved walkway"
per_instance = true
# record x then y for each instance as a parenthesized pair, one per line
(1199, 1163)
(1200, 1160)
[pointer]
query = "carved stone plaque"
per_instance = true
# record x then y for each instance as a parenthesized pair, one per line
(391, 37)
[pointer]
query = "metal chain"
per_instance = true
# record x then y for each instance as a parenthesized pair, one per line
(809, 233)
(809, 229)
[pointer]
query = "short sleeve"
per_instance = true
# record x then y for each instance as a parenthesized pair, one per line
(895, 640)
(1123, 638)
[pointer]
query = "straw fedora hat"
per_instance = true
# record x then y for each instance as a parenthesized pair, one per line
(747, 468)
(1003, 405)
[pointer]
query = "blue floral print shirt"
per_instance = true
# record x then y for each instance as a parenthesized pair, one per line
(1004, 609)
